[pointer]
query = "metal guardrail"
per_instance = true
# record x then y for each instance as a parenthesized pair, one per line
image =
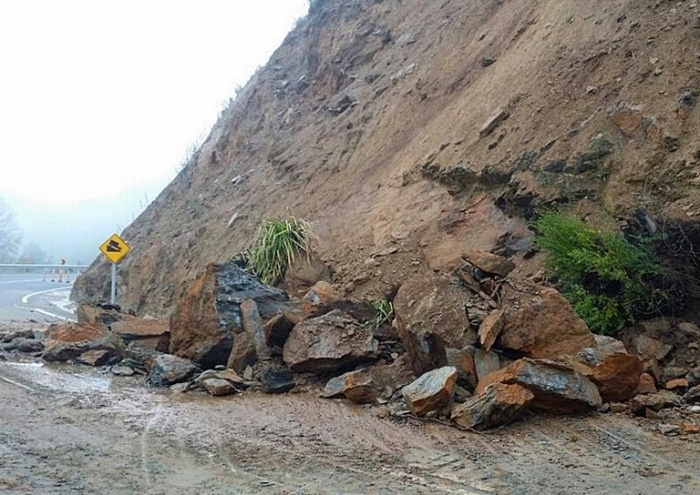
(16, 268)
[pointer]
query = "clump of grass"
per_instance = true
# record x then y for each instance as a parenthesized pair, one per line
(606, 278)
(383, 313)
(278, 242)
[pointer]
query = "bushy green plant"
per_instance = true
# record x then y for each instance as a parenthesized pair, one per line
(383, 312)
(605, 277)
(276, 245)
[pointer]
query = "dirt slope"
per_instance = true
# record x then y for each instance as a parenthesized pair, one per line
(371, 121)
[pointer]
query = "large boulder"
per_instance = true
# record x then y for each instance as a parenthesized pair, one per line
(497, 405)
(557, 387)
(432, 391)
(208, 319)
(68, 341)
(330, 342)
(540, 323)
(617, 376)
(367, 385)
(430, 315)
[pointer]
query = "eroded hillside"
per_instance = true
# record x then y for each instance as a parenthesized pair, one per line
(432, 128)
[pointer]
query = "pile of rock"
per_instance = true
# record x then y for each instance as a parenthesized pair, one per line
(475, 347)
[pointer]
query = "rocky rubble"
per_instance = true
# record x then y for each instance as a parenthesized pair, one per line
(476, 347)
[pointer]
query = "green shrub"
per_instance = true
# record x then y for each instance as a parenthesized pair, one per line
(606, 278)
(276, 245)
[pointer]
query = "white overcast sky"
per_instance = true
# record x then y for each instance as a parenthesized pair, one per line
(101, 99)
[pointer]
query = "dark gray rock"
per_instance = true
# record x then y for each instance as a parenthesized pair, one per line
(208, 319)
(167, 370)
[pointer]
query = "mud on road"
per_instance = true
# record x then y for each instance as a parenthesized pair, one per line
(73, 430)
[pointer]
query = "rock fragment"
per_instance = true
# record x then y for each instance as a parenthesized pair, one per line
(431, 391)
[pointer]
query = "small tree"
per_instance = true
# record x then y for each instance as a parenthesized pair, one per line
(606, 278)
(10, 234)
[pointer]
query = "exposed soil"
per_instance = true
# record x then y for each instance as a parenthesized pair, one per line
(72, 430)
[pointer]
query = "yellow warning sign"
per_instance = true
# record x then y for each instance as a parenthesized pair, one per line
(115, 248)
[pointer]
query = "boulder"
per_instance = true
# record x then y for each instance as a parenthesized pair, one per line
(693, 395)
(489, 263)
(328, 343)
(277, 381)
(604, 346)
(218, 386)
(21, 344)
(540, 323)
(646, 385)
(499, 404)
(357, 386)
(677, 383)
(485, 363)
(463, 360)
(167, 370)
(131, 328)
(86, 313)
(97, 358)
(430, 315)
(617, 377)
(365, 386)
(249, 345)
(67, 341)
(648, 348)
(277, 330)
(322, 293)
(656, 402)
(208, 318)
(490, 329)
(431, 391)
(557, 387)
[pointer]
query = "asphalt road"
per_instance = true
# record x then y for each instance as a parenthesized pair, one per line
(27, 297)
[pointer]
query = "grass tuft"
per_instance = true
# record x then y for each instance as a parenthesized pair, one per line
(383, 313)
(276, 246)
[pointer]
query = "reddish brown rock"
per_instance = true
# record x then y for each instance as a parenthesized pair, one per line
(68, 341)
(677, 383)
(689, 429)
(647, 384)
(617, 377)
(329, 343)
(499, 404)
(431, 391)
(365, 386)
(136, 328)
(542, 325)
(558, 388)
(490, 329)
(320, 294)
(489, 263)
(207, 319)
(430, 316)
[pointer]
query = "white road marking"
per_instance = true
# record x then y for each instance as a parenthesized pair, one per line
(26, 298)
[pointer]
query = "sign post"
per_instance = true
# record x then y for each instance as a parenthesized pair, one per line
(114, 248)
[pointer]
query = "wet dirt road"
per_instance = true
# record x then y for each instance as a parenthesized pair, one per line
(73, 430)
